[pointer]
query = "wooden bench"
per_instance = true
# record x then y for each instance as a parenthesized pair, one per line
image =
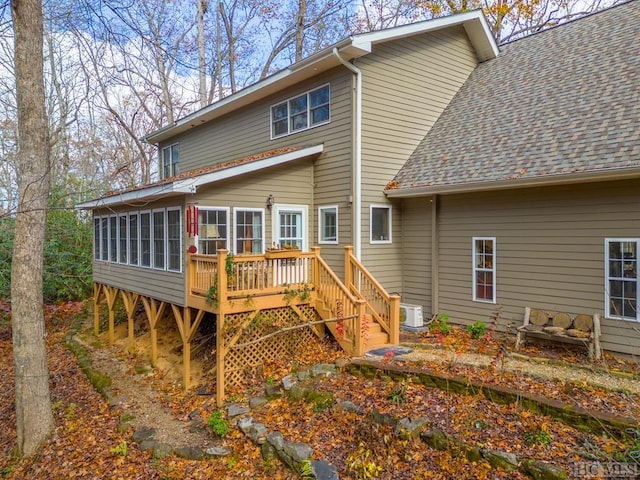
(580, 329)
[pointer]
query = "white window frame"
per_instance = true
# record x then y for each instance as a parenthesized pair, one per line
(235, 226)
(113, 237)
(97, 238)
(138, 242)
(141, 213)
(476, 269)
(166, 236)
(124, 261)
(227, 211)
(173, 167)
(275, 222)
(389, 208)
(321, 224)
(309, 125)
(607, 278)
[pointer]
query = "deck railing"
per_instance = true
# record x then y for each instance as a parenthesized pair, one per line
(383, 307)
(245, 275)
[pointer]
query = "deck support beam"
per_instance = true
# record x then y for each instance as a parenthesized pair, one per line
(111, 294)
(98, 297)
(130, 301)
(154, 310)
(187, 330)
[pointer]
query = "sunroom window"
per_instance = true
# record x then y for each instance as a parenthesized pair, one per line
(621, 273)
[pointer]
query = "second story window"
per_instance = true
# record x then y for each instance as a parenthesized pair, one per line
(300, 113)
(170, 158)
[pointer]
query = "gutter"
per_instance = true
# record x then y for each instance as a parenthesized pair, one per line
(539, 181)
(357, 164)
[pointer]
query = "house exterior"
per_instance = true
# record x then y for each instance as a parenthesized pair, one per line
(533, 169)
(423, 147)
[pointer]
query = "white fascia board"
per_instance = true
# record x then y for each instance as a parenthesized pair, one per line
(147, 193)
(568, 179)
(190, 185)
(474, 23)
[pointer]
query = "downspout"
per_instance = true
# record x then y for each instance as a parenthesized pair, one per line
(357, 164)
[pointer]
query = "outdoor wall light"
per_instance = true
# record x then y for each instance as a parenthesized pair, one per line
(270, 201)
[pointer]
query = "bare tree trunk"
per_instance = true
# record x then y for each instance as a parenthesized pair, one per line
(300, 26)
(202, 66)
(33, 404)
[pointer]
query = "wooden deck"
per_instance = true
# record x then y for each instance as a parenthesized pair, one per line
(358, 312)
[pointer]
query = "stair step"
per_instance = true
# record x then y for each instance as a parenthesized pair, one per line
(376, 338)
(374, 327)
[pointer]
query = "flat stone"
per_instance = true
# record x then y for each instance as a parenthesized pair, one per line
(323, 370)
(303, 375)
(323, 470)
(256, 402)
(543, 471)
(258, 433)
(297, 393)
(276, 439)
(272, 391)
(383, 418)
(348, 406)
(190, 453)
(236, 410)
(410, 427)
(298, 451)
(268, 452)
(148, 444)
(244, 424)
(162, 450)
(437, 439)
(143, 433)
(342, 363)
(496, 458)
(288, 382)
(218, 451)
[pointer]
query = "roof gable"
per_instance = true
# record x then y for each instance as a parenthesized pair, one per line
(555, 106)
(350, 48)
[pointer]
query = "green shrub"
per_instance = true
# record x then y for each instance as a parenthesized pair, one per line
(218, 424)
(440, 324)
(477, 330)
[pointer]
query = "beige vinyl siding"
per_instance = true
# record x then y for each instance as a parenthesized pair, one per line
(407, 84)
(289, 184)
(159, 284)
(549, 251)
(416, 252)
(248, 132)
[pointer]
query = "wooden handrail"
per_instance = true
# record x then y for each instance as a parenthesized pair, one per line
(383, 307)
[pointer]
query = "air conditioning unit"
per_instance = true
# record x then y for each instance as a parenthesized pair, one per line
(412, 315)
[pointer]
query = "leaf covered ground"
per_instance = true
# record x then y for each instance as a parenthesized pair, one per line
(91, 440)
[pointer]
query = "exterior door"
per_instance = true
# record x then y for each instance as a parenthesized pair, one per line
(290, 226)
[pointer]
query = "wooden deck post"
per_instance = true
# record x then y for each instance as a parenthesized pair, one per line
(112, 295)
(221, 352)
(221, 287)
(358, 334)
(154, 311)
(316, 266)
(97, 291)
(187, 332)
(394, 319)
(130, 301)
(348, 271)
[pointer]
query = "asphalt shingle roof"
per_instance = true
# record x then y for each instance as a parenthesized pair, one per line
(563, 101)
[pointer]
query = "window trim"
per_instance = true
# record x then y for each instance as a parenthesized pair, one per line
(234, 236)
(607, 301)
(173, 167)
(309, 126)
(135, 214)
(389, 208)
(164, 238)
(475, 269)
(140, 214)
(124, 237)
(227, 211)
(321, 225)
(97, 238)
(113, 238)
(167, 240)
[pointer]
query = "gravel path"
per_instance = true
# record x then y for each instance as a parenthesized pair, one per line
(525, 365)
